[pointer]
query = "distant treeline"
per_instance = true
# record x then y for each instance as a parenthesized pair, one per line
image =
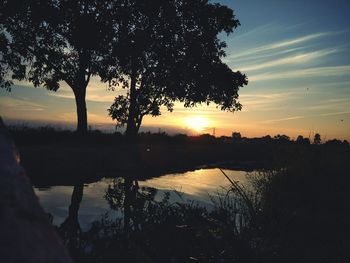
(33, 135)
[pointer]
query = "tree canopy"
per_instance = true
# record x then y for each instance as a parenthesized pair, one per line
(53, 41)
(172, 53)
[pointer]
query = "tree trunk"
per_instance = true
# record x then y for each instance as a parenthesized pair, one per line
(131, 130)
(127, 205)
(80, 93)
(138, 124)
(70, 229)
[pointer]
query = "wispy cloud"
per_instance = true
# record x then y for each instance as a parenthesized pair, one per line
(11, 104)
(304, 73)
(278, 45)
(283, 119)
(267, 102)
(335, 113)
(335, 104)
(92, 117)
(263, 56)
(294, 59)
(261, 29)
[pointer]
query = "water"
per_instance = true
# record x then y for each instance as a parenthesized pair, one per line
(90, 203)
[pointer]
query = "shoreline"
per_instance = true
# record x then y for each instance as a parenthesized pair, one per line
(48, 165)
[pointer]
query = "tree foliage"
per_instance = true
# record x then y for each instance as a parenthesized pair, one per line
(58, 41)
(317, 139)
(171, 52)
(11, 62)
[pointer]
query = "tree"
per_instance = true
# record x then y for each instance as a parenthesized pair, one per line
(127, 196)
(10, 56)
(282, 138)
(302, 140)
(146, 104)
(317, 139)
(170, 53)
(236, 136)
(70, 229)
(58, 40)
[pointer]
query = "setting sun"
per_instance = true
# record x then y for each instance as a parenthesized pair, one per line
(197, 123)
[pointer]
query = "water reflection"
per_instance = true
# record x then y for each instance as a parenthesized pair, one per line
(197, 185)
(70, 229)
(63, 202)
(57, 199)
(128, 197)
(125, 216)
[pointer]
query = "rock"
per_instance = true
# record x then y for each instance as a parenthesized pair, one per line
(26, 234)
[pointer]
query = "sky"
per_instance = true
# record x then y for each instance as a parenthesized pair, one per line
(294, 53)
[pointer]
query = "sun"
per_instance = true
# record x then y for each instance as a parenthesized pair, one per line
(197, 123)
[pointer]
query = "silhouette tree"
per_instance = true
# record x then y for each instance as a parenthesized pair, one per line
(126, 195)
(282, 138)
(236, 136)
(302, 140)
(49, 42)
(170, 51)
(70, 229)
(10, 56)
(317, 139)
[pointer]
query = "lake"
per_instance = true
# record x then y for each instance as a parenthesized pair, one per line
(89, 203)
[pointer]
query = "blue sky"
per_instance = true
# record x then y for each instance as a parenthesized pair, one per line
(295, 54)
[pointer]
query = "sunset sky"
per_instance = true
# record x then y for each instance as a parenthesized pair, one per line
(295, 54)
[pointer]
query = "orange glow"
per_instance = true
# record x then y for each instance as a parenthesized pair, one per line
(197, 123)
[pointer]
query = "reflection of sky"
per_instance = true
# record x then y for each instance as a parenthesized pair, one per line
(56, 201)
(294, 52)
(194, 185)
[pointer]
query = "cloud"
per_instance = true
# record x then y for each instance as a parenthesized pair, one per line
(334, 71)
(262, 56)
(11, 104)
(335, 113)
(267, 96)
(295, 59)
(267, 102)
(330, 104)
(93, 118)
(279, 45)
(63, 95)
(247, 35)
(284, 119)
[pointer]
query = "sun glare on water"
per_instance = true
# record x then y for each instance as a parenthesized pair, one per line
(197, 123)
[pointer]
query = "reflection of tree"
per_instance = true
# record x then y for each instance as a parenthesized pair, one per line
(70, 229)
(132, 200)
(160, 230)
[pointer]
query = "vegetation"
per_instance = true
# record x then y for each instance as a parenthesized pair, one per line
(294, 212)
